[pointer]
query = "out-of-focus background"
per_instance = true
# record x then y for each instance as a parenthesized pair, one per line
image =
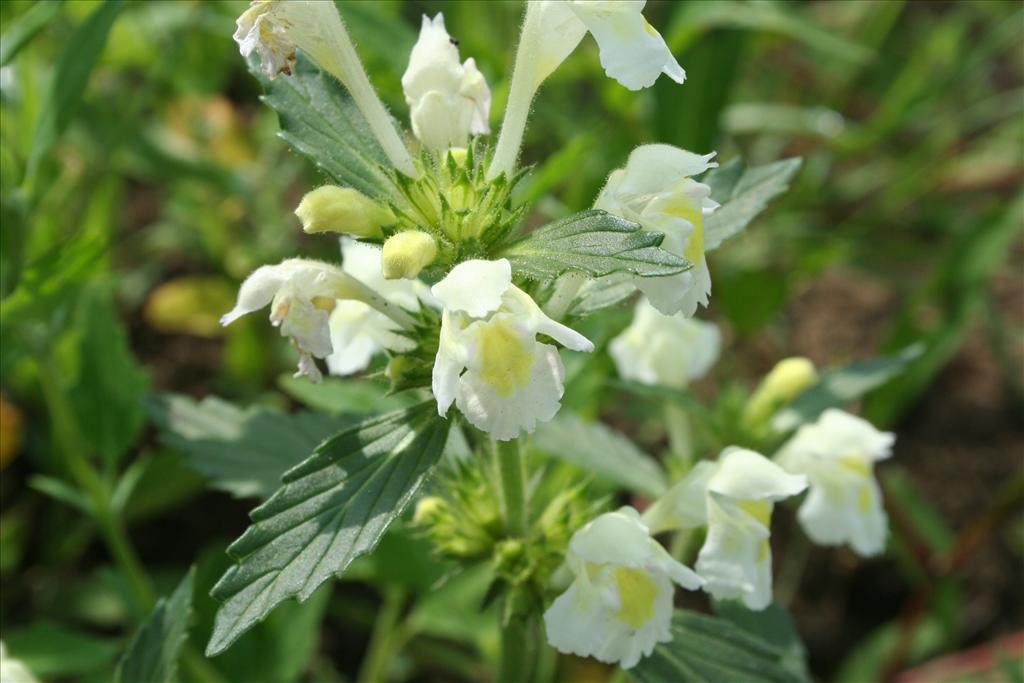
(142, 180)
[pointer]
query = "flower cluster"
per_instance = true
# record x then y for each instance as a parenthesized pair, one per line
(423, 278)
(448, 205)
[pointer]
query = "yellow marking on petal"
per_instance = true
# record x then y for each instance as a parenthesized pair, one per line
(324, 303)
(856, 463)
(506, 361)
(637, 591)
(650, 29)
(761, 510)
(864, 499)
(689, 210)
(766, 551)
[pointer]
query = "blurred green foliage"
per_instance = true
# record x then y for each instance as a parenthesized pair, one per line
(136, 158)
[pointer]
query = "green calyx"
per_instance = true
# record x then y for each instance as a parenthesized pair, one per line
(452, 201)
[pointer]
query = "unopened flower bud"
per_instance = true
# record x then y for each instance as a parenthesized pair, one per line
(785, 382)
(428, 510)
(342, 209)
(407, 253)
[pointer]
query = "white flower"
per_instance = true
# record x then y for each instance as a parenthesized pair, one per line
(632, 52)
(448, 101)
(619, 605)
(302, 294)
(357, 330)
(656, 189)
(14, 670)
(273, 29)
(844, 505)
(489, 361)
(736, 559)
(666, 350)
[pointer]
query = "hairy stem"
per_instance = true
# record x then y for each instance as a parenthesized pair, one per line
(520, 648)
(511, 470)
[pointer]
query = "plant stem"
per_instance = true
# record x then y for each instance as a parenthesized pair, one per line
(680, 435)
(379, 653)
(511, 468)
(70, 443)
(520, 641)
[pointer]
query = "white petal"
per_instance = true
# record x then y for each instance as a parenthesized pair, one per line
(559, 32)
(475, 287)
(474, 89)
(735, 560)
(448, 363)
(363, 262)
(308, 326)
(259, 289)
(684, 505)
(357, 333)
(581, 622)
(504, 417)
(838, 512)
(614, 538)
(632, 52)
(681, 293)
(308, 368)
(745, 475)
(440, 121)
(654, 168)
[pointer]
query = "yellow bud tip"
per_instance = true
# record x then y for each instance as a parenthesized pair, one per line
(458, 154)
(787, 380)
(342, 209)
(427, 510)
(407, 253)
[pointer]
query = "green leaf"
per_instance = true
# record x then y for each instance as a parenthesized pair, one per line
(320, 120)
(344, 396)
(595, 243)
(772, 624)
(707, 649)
(110, 384)
(602, 293)
(241, 451)
(50, 650)
(70, 79)
(599, 449)
(743, 193)
(843, 386)
(153, 654)
(24, 28)
(333, 507)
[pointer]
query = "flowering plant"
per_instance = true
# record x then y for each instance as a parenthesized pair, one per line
(477, 315)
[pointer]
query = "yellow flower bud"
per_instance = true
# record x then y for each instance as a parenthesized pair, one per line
(785, 382)
(407, 253)
(342, 209)
(428, 510)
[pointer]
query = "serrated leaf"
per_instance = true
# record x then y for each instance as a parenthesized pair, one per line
(604, 292)
(320, 120)
(599, 449)
(843, 386)
(242, 452)
(153, 654)
(333, 507)
(707, 649)
(743, 193)
(595, 243)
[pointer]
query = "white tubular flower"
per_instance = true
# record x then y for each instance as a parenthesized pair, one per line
(13, 670)
(666, 350)
(736, 560)
(632, 52)
(489, 362)
(844, 505)
(620, 604)
(358, 331)
(273, 29)
(656, 189)
(302, 294)
(447, 100)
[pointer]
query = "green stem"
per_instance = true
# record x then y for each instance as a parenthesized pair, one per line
(680, 434)
(70, 443)
(380, 652)
(511, 468)
(520, 648)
